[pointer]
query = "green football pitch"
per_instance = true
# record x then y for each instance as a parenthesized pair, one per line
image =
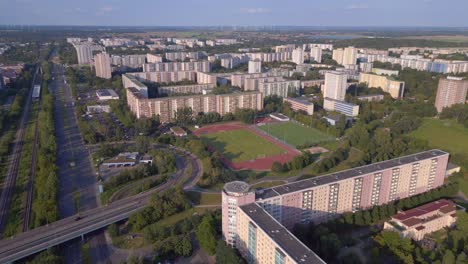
(295, 134)
(241, 145)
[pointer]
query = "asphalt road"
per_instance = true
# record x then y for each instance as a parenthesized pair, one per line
(80, 178)
(69, 228)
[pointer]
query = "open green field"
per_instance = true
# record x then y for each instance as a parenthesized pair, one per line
(444, 134)
(295, 134)
(241, 145)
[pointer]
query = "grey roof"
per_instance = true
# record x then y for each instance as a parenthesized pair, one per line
(236, 187)
(346, 174)
(286, 241)
(301, 101)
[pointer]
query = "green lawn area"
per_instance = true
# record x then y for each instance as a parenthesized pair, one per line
(295, 134)
(444, 134)
(241, 145)
(449, 136)
(199, 198)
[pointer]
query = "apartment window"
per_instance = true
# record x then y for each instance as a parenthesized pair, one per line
(357, 194)
(333, 198)
(279, 256)
(394, 183)
(376, 188)
(432, 173)
(252, 246)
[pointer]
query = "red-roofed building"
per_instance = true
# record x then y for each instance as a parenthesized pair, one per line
(422, 220)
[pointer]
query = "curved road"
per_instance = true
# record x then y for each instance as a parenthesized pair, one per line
(56, 233)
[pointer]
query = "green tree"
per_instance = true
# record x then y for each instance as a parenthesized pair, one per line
(206, 234)
(448, 257)
(226, 254)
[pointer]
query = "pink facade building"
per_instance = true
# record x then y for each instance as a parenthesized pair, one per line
(234, 195)
(322, 198)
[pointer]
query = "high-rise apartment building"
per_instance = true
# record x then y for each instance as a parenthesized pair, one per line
(338, 56)
(84, 53)
(335, 85)
(349, 56)
(298, 56)
(255, 66)
(102, 65)
(258, 223)
(452, 90)
(316, 54)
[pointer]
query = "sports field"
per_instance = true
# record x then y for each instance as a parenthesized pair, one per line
(447, 135)
(241, 145)
(295, 134)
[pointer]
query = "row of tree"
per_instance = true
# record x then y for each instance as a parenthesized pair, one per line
(45, 204)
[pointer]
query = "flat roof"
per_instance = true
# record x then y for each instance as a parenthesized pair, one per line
(236, 187)
(279, 115)
(347, 174)
(286, 241)
(297, 100)
(106, 92)
(414, 213)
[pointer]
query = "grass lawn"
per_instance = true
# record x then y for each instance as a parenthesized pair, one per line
(449, 136)
(241, 145)
(199, 198)
(444, 134)
(295, 134)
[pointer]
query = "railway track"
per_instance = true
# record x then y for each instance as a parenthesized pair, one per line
(30, 187)
(12, 172)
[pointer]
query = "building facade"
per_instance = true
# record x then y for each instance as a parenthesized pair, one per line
(300, 105)
(261, 231)
(343, 107)
(451, 90)
(102, 65)
(255, 66)
(166, 107)
(335, 85)
(200, 66)
(395, 88)
(316, 54)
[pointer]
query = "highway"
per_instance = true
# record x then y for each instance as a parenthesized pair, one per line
(56, 233)
(12, 173)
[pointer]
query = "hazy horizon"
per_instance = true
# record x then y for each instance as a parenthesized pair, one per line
(211, 13)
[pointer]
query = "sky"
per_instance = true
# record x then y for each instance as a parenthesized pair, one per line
(434, 13)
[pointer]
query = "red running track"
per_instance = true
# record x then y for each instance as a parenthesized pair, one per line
(261, 164)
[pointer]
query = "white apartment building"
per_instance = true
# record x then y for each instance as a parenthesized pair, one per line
(335, 85)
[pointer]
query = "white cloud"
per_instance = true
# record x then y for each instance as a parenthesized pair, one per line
(257, 10)
(357, 6)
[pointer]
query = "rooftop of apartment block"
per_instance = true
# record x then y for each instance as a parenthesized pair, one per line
(347, 174)
(409, 216)
(287, 242)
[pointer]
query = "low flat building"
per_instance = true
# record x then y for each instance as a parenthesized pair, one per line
(371, 97)
(92, 109)
(300, 105)
(279, 117)
(345, 108)
(178, 131)
(125, 159)
(417, 222)
(107, 94)
(451, 169)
